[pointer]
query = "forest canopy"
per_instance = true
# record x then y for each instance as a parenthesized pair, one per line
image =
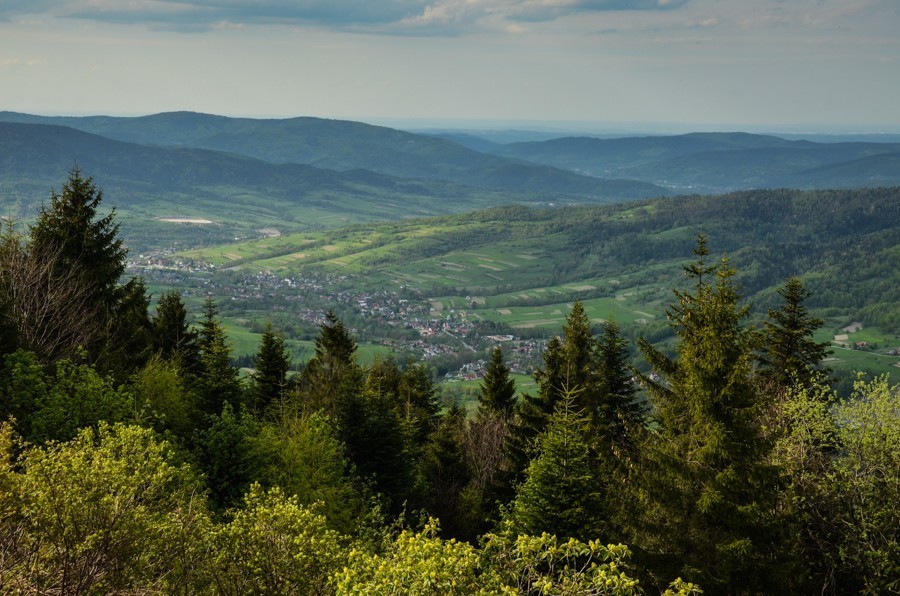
(134, 457)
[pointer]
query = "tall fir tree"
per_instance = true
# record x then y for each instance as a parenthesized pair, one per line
(86, 243)
(87, 249)
(570, 364)
(498, 391)
(218, 382)
(790, 353)
(322, 380)
(130, 341)
(561, 493)
(620, 414)
(708, 502)
(173, 337)
(272, 364)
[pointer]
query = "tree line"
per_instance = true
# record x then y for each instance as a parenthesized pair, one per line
(135, 457)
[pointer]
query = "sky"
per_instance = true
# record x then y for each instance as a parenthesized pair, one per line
(735, 64)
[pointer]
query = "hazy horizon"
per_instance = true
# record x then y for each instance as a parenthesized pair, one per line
(804, 65)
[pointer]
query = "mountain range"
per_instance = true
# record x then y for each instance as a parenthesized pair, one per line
(302, 173)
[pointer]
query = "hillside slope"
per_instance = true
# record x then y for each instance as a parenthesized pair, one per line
(344, 145)
(716, 162)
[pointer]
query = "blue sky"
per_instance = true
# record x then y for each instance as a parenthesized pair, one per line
(779, 64)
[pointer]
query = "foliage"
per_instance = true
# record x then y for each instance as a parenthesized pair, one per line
(561, 493)
(223, 449)
(620, 415)
(106, 512)
(444, 475)
(162, 398)
(843, 460)
(326, 373)
(416, 564)
(88, 245)
(302, 456)
(272, 364)
(172, 335)
(274, 545)
(545, 564)
(218, 383)
(55, 405)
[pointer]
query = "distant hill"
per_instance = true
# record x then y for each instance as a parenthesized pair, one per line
(342, 145)
(244, 194)
(716, 162)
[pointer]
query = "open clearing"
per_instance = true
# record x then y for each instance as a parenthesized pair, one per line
(192, 220)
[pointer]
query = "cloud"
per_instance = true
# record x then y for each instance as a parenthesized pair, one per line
(379, 16)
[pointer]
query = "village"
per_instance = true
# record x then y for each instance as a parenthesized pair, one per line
(405, 321)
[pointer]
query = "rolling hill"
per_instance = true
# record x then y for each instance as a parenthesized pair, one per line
(146, 182)
(343, 145)
(718, 162)
(518, 269)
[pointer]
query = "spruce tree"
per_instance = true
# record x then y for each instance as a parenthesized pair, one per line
(791, 355)
(130, 343)
(173, 337)
(561, 493)
(708, 501)
(218, 382)
(272, 364)
(498, 391)
(620, 414)
(86, 243)
(85, 250)
(570, 364)
(322, 379)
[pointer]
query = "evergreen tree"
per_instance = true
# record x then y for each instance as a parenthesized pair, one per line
(383, 376)
(325, 373)
(709, 494)
(498, 391)
(76, 254)
(444, 475)
(85, 243)
(376, 439)
(570, 364)
(218, 382)
(620, 414)
(417, 403)
(131, 342)
(172, 335)
(531, 415)
(272, 364)
(561, 495)
(791, 355)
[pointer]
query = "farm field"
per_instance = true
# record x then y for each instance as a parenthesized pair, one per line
(517, 270)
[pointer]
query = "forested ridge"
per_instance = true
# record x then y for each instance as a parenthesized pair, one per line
(135, 458)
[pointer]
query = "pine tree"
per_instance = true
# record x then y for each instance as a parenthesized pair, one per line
(791, 355)
(561, 495)
(498, 391)
(620, 415)
(322, 379)
(87, 244)
(272, 364)
(85, 251)
(172, 335)
(570, 364)
(708, 492)
(218, 382)
(444, 474)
